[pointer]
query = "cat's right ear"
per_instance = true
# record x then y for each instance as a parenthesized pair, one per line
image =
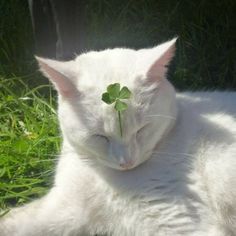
(60, 74)
(155, 60)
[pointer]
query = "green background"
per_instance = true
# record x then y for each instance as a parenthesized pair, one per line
(29, 137)
(206, 55)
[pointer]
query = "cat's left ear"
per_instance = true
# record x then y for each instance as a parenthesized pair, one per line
(158, 59)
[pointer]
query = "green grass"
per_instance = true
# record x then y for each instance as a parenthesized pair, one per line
(29, 141)
(29, 136)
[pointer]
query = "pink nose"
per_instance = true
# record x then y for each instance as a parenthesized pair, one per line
(127, 165)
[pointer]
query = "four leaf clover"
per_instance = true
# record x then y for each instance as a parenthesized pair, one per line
(114, 95)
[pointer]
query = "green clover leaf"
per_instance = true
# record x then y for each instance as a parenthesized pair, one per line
(114, 94)
(114, 90)
(107, 98)
(120, 106)
(124, 93)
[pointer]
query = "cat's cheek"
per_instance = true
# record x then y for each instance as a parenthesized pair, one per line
(97, 146)
(73, 137)
(145, 136)
(145, 142)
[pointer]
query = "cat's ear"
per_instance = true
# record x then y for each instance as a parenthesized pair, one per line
(60, 74)
(158, 59)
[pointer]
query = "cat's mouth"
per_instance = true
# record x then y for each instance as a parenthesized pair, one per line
(123, 165)
(127, 165)
(133, 163)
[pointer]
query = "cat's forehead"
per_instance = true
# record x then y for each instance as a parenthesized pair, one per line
(112, 57)
(117, 60)
(102, 68)
(131, 120)
(103, 118)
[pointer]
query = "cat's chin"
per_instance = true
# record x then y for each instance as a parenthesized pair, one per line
(125, 166)
(121, 168)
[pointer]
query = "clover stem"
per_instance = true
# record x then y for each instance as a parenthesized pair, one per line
(119, 116)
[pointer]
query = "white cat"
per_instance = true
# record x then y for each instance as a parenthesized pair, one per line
(172, 173)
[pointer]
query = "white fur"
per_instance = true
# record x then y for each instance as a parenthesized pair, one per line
(182, 180)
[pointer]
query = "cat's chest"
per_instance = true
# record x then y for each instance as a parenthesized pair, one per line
(168, 197)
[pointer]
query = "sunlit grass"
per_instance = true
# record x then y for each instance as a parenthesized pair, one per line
(29, 141)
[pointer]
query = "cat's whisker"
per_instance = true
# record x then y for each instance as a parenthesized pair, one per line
(174, 153)
(164, 116)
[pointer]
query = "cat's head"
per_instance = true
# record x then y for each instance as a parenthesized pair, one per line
(91, 126)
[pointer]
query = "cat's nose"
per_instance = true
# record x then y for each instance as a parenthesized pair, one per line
(122, 156)
(126, 164)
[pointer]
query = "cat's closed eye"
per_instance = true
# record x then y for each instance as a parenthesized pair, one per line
(101, 137)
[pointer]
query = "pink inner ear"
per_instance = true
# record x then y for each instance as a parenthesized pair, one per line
(63, 84)
(159, 68)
